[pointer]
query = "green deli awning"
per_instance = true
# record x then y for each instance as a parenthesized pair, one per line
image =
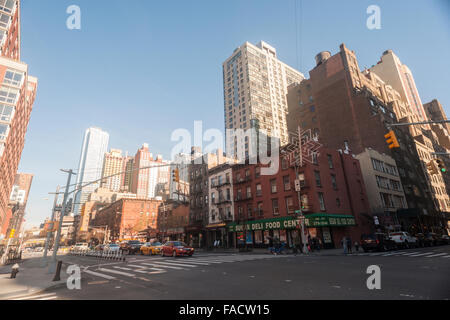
(311, 220)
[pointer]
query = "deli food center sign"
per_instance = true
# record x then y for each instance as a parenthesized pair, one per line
(312, 221)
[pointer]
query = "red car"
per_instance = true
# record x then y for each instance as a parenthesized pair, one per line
(176, 248)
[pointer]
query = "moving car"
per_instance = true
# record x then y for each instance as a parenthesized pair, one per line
(99, 247)
(112, 247)
(445, 239)
(131, 246)
(432, 238)
(422, 241)
(176, 248)
(377, 242)
(151, 248)
(404, 239)
(81, 246)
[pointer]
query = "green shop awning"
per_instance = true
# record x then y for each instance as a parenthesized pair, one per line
(311, 220)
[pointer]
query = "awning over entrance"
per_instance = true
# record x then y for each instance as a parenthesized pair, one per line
(216, 225)
(311, 220)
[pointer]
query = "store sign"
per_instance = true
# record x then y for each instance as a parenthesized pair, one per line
(292, 223)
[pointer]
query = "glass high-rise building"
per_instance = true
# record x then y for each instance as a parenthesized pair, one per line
(95, 145)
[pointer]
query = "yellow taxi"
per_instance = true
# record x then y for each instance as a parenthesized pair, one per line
(151, 248)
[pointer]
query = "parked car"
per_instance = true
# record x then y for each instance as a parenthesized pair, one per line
(81, 246)
(404, 239)
(422, 241)
(99, 247)
(131, 246)
(432, 238)
(377, 242)
(445, 239)
(112, 247)
(176, 248)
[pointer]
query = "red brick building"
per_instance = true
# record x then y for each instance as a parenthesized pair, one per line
(125, 218)
(17, 94)
(333, 199)
(173, 217)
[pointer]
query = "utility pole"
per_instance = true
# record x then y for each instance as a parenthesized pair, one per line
(63, 211)
(51, 226)
(301, 216)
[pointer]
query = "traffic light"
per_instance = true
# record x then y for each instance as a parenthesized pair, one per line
(441, 166)
(431, 167)
(391, 140)
(176, 175)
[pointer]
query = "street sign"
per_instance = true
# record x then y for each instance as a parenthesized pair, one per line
(11, 234)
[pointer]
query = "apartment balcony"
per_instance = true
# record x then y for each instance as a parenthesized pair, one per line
(220, 185)
(222, 201)
(243, 180)
(243, 198)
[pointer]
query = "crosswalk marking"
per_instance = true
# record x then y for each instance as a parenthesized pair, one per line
(421, 254)
(117, 272)
(99, 274)
(447, 256)
(48, 296)
(410, 253)
(177, 264)
(437, 255)
(159, 265)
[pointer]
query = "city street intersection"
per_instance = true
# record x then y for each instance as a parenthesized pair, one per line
(421, 273)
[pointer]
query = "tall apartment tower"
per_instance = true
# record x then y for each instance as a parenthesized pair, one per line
(127, 177)
(142, 159)
(19, 199)
(95, 145)
(255, 88)
(400, 77)
(17, 95)
(113, 166)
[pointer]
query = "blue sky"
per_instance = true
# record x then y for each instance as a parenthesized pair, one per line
(140, 69)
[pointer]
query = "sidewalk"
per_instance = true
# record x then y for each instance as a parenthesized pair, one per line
(323, 252)
(32, 278)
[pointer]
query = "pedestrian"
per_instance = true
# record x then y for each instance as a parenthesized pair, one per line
(310, 244)
(349, 244)
(297, 244)
(318, 244)
(344, 244)
(356, 246)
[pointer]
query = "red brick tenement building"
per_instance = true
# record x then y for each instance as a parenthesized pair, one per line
(333, 199)
(125, 218)
(17, 94)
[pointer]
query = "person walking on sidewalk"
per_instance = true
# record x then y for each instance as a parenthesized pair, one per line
(297, 244)
(344, 244)
(349, 244)
(356, 246)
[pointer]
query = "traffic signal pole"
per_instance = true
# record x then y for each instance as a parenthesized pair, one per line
(63, 211)
(51, 226)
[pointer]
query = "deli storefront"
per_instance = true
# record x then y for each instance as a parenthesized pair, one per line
(329, 228)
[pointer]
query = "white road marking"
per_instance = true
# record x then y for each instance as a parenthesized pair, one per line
(46, 295)
(162, 266)
(421, 254)
(99, 274)
(122, 268)
(177, 264)
(117, 272)
(436, 255)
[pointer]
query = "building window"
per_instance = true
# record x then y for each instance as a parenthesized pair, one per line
(317, 177)
(333, 181)
(321, 201)
(330, 161)
(13, 78)
(249, 211)
(260, 209)
(4, 130)
(6, 112)
(8, 95)
(257, 172)
(286, 183)
(249, 192)
(284, 164)
(289, 205)
(258, 190)
(338, 202)
(275, 209)
(273, 185)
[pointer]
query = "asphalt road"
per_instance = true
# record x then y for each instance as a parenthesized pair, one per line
(405, 274)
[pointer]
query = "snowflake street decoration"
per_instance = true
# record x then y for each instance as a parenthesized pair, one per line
(301, 153)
